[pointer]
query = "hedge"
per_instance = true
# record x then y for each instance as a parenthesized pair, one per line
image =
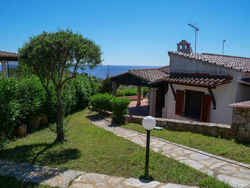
(23, 98)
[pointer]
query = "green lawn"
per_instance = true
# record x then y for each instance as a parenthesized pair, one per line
(218, 146)
(92, 149)
(10, 182)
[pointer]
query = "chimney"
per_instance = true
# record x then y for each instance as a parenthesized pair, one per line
(184, 47)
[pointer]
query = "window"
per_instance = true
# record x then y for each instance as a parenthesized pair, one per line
(193, 104)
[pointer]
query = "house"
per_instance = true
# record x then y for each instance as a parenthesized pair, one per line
(8, 60)
(195, 86)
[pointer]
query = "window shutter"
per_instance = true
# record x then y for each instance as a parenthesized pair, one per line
(205, 108)
(179, 103)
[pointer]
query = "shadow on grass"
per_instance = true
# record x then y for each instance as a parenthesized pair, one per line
(43, 154)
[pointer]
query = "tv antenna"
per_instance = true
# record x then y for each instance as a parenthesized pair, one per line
(195, 33)
(223, 45)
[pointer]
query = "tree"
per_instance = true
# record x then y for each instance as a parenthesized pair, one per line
(50, 55)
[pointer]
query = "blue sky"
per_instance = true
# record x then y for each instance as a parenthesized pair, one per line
(132, 32)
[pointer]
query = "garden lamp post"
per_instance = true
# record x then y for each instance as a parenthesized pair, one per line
(148, 123)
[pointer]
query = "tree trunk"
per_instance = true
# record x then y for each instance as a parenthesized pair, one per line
(60, 116)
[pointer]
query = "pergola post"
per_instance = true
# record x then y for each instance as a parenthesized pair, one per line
(139, 96)
(114, 88)
(4, 69)
(152, 98)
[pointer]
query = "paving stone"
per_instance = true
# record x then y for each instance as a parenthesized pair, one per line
(171, 185)
(225, 172)
(208, 164)
(93, 177)
(197, 156)
(208, 172)
(205, 163)
(229, 168)
(140, 183)
(241, 175)
(218, 165)
(193, 164)
(235, 182)
(81, 185)
(115, 181)
(245, 170)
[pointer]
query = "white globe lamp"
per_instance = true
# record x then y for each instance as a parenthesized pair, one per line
(148, 123)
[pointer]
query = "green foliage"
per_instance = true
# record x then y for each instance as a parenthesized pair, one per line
(50, 55)
(145, 90)
(130, 92)
(120, 93)
(217, 146)
(24, 97)
(105, 86)
(119, 109)
(101, 102)
(88, 144)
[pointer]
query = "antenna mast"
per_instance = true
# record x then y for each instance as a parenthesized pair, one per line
(195, 33)
(223, 45)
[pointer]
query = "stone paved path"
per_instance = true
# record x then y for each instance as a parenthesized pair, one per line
(232, 172)
(74, 179)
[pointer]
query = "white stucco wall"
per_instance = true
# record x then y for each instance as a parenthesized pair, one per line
(222, 113)
(224, 95)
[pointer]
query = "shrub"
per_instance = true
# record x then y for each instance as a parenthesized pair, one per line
(105, 86)
(24, 98)
(130, 92)
(84, 88)
(101, 102)
(145, 90)
(10, 106)
(119, 109)
(120, 93)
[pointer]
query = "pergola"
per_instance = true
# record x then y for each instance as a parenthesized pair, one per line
(5, 58)
(142, 78)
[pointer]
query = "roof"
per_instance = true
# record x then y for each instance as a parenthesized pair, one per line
(141, 75)
(195, 79)
(149, 75)
(244, 104)
(237, 63)
(8, 56)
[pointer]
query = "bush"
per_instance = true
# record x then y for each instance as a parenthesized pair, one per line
(10, 106)
(24, 98)
(119, 109)
(101, 102)
(105, 86)
(120, 93)
(130, 92)
(145, 90)
(84, 87)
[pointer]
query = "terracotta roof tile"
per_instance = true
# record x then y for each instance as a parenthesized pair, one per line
(195, 79)
(149, 75)
(8, 56)
(237, 63)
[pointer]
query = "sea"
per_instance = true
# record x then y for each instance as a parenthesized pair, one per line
(104, 70)
(111, 70)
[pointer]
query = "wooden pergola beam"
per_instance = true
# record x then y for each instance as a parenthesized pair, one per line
(212, 97)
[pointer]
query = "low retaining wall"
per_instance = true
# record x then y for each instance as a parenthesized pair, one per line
(241, 121)
(209, 129)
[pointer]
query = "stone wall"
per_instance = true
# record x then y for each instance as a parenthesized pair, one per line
(241, 121)
(209, 129)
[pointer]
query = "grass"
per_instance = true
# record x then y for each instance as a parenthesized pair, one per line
(92, 149)
(218, 146)
(10, 182)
